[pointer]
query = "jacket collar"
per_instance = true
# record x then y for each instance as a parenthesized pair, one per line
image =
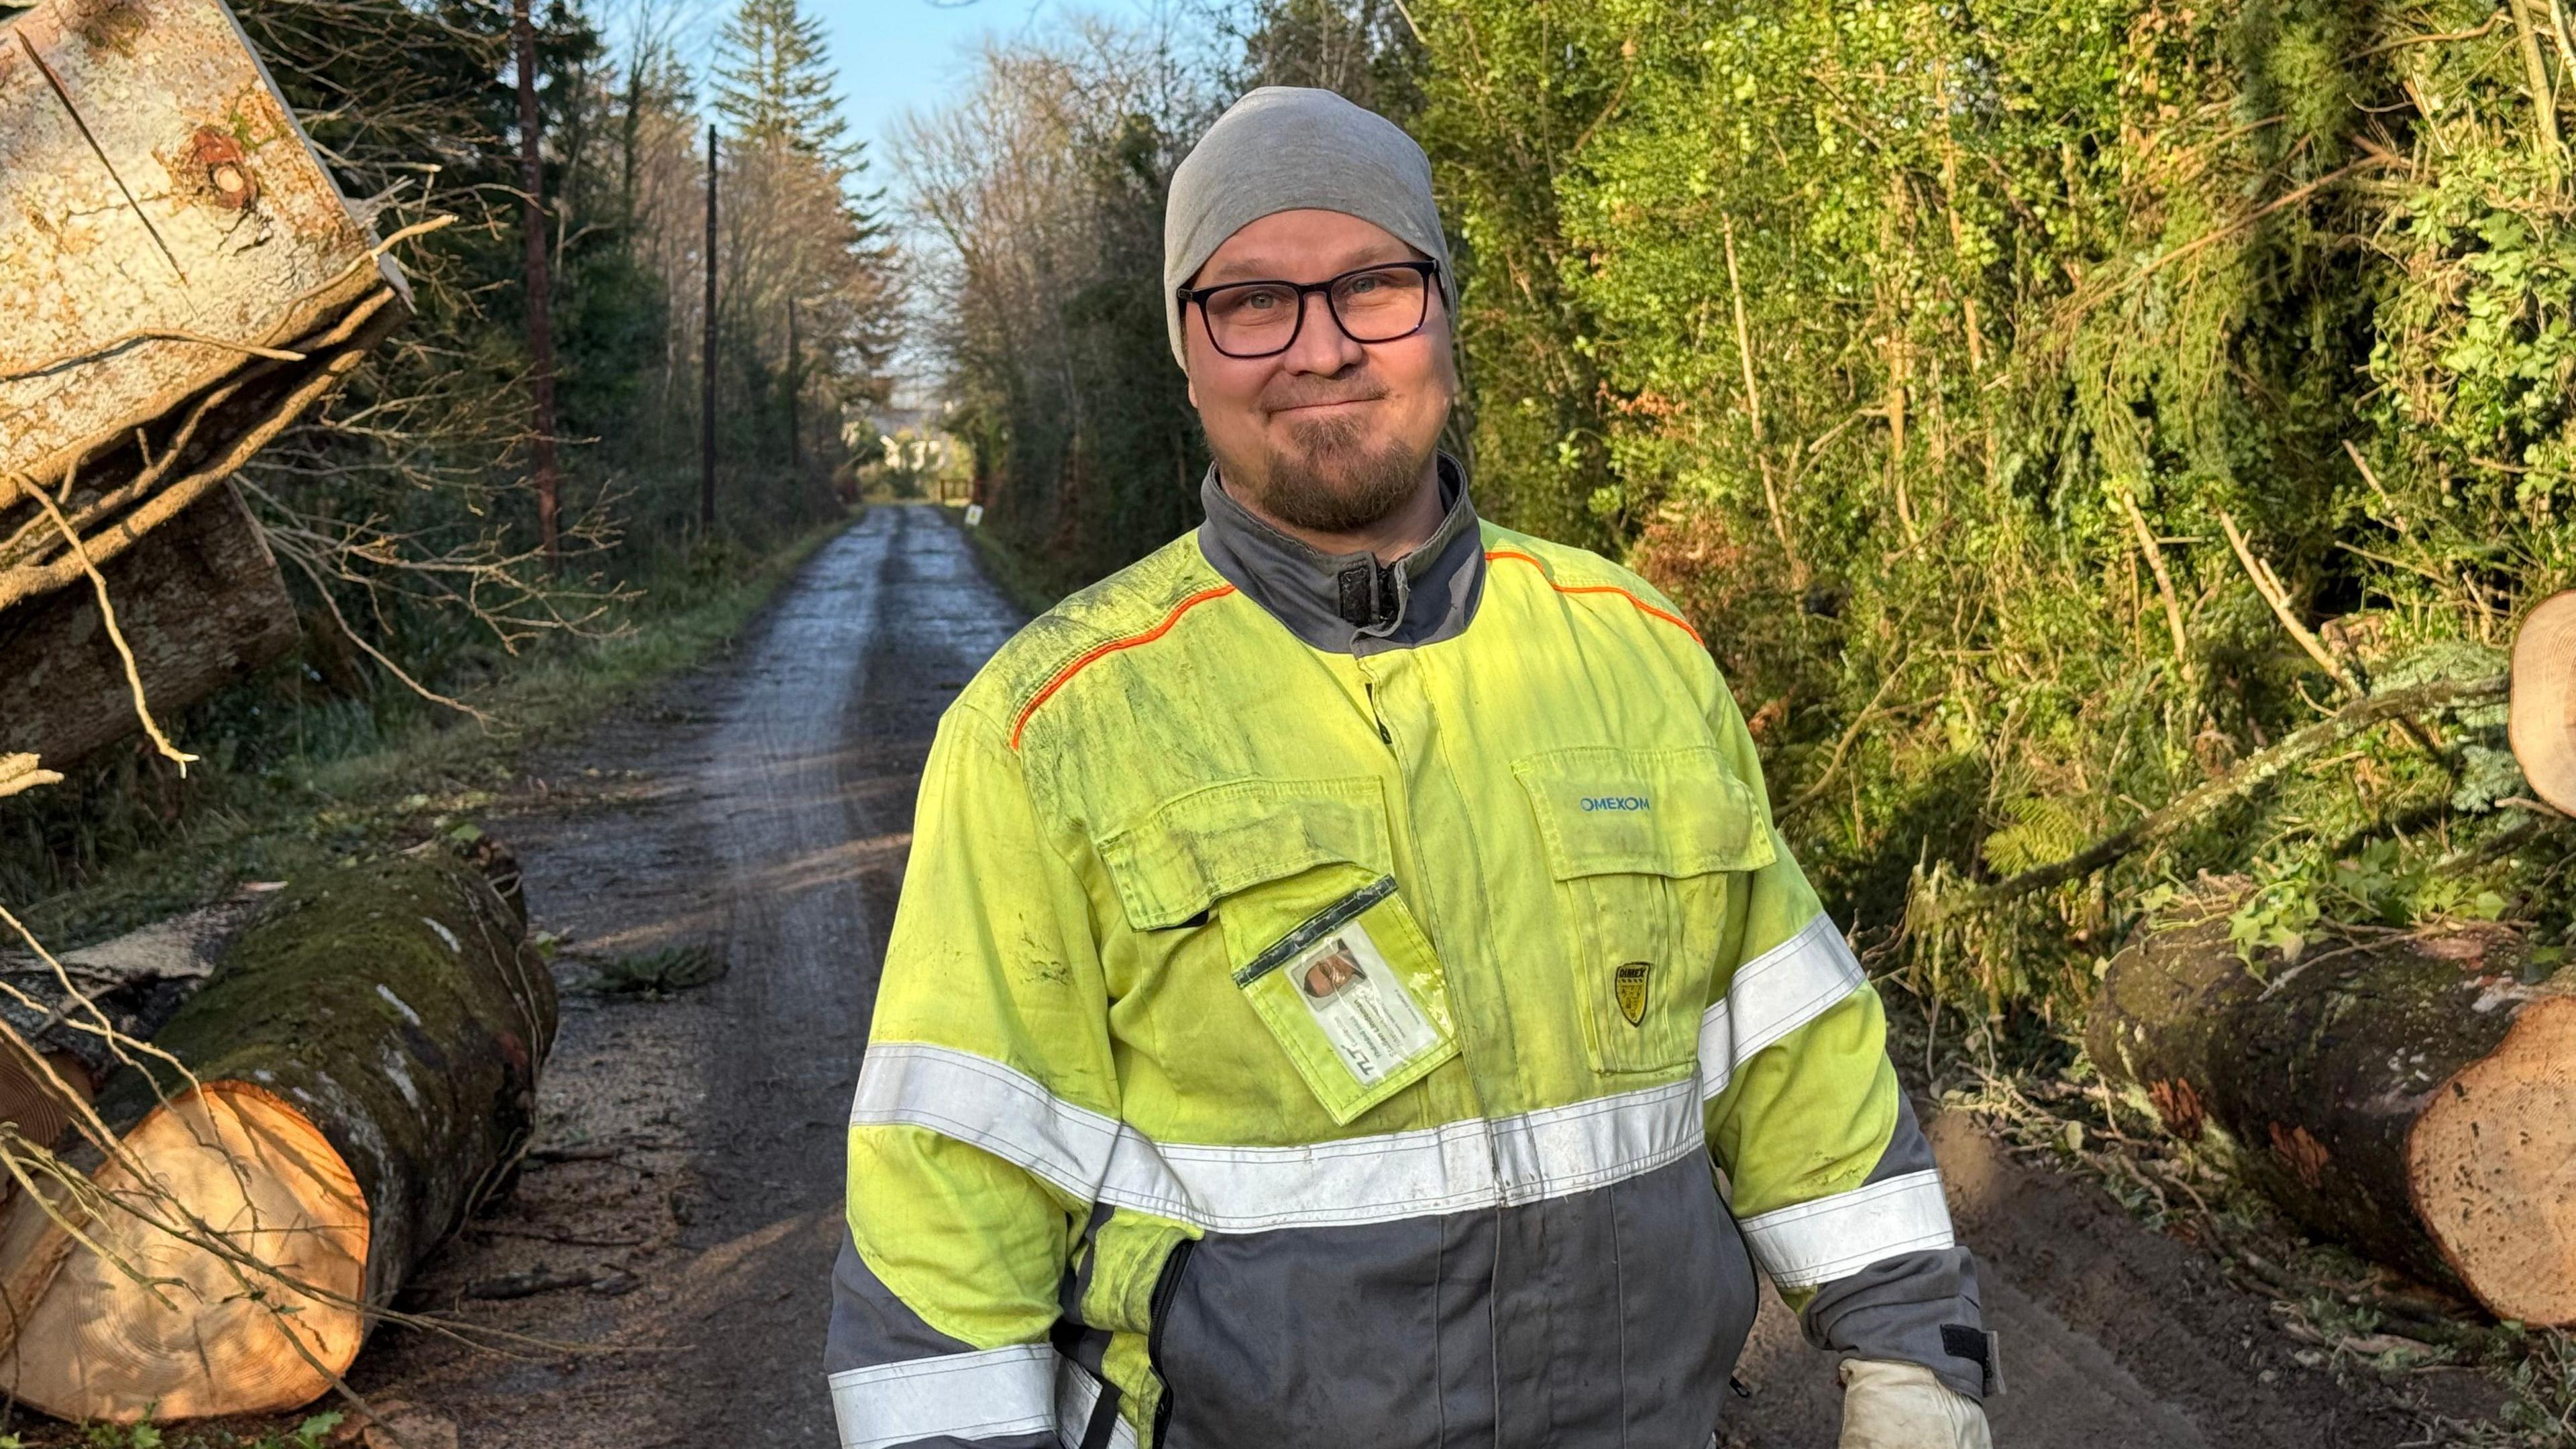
(1349, 603)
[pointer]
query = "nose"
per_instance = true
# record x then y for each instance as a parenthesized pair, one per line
(1321, 345)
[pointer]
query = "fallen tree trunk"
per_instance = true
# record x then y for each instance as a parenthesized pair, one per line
(78, 1021)
(2412, 1096)
(368, 1053)
(200, 603)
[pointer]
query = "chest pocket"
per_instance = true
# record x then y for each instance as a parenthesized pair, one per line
(1298, 876)
(1644, 846)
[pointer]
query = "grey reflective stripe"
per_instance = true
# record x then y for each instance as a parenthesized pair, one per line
(1455, 1167)
(1811, 1243)
(959, 1396)
(980, 1102)
(1773, 995)
(1077, 1396)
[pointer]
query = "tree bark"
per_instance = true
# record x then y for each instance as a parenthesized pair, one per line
(2413, 1096)
(368, 1051)
(200, 603)
(707, 363)
(533, 268)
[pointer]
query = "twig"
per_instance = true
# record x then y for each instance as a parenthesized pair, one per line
(2544, 98)
(150, 334)
(1834, 764)
(116, 636)
(370, 650)
(25, 583)
(2213, 236)
(2164, 581)
(19, 772)
(2249, 773)
(2268, 584)
(2403, 41)
(1753, 408)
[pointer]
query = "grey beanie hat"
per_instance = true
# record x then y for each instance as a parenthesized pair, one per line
(1285, 148)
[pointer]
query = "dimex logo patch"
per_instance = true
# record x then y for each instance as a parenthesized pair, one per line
(1616, 802)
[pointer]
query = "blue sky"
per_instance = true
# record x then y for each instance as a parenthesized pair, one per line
(894, 54)
(891, 55)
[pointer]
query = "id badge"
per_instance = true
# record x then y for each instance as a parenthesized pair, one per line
(1345, 992)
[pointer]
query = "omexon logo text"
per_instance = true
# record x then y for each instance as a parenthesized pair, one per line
(1616, 802)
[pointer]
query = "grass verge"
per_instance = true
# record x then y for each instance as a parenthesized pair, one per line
(1033, 582)
(422, 775)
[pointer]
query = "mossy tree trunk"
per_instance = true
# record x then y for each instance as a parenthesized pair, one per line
(368, 1050)
(2414, 1097)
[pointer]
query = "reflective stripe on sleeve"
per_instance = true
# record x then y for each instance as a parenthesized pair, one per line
(1811, 1243)
(1456, 1167)
(981, 1102)
(1773, 995)
(986, 1395)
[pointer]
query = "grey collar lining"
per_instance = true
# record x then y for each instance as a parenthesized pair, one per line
(1351, 603)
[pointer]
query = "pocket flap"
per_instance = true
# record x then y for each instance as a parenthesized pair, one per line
(1195, 849)
(1603, 810)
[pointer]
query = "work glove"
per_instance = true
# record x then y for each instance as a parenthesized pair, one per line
(1902, 1406)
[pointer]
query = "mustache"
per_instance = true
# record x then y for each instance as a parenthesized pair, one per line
(1299, 392)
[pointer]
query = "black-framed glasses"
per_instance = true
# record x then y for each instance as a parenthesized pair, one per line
(1262, 319)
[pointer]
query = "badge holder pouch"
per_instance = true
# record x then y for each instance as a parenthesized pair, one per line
(1354, 996)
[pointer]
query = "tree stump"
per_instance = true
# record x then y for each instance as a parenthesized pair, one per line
(368, 1053)
(2414, 1097)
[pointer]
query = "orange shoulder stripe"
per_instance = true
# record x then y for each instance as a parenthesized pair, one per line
(1676, 620)
(1097, 651)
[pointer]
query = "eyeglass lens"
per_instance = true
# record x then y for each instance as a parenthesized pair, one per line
(1378, 305)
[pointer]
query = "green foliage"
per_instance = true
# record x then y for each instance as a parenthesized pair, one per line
(2386, 884)
(659, 973)
(1863, 328)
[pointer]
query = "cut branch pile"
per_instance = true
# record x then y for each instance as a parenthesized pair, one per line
(2412, 1094)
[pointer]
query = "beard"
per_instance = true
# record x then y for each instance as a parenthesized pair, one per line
(1332, 478)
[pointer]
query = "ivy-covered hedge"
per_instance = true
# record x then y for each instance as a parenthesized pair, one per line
(1926, 350)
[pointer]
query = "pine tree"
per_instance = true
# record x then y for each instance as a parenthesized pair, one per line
(773, 85)
(807, 236)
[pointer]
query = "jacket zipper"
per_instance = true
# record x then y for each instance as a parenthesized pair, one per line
(1159, 1308)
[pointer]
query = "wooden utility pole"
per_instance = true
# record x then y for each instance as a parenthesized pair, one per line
(707, 378)
(541, 337)
(795, 384)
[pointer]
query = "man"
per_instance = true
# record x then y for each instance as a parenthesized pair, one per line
(1338, 949)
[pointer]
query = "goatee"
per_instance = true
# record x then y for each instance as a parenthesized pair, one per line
(1330, 480)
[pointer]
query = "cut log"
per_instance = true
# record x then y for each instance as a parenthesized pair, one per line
(2414, 1097)
(133, 984)
(199, 602)
(368, 1051)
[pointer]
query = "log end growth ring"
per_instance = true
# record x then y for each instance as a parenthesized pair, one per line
(2492, 1163)
(263, 1180)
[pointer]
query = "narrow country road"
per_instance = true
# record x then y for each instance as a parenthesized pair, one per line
(693, 1145)
(689, 1169)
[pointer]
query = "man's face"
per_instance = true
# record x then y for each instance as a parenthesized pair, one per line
(1331, 435)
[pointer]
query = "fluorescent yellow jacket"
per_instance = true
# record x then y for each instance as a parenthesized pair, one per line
(1323, 999)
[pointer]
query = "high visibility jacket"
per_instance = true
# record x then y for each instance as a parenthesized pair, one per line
(1322, 1000)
